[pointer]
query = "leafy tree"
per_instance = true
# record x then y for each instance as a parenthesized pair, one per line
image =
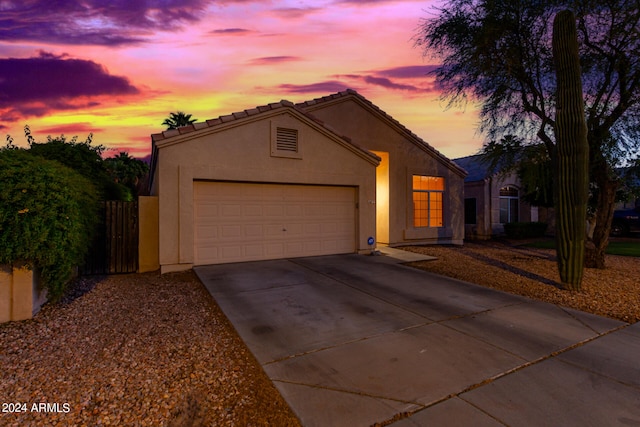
(47, 216)
(179, 119)
(498, 53)
(82, 157)
(126, 170)
(530, 162)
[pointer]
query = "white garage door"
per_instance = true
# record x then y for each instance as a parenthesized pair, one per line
(247, 222)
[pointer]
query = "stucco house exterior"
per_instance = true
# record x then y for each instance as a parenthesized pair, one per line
(285, 180)
(419, 191)
(492, 199)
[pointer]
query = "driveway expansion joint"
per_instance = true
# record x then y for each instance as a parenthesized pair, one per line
(354, 392)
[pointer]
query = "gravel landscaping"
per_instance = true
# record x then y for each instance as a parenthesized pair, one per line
(613, 292)
(143, 350)
(151, 350)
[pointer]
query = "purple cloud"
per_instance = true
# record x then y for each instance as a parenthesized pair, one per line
(368, 2)
(267, 60)
(295, 12)
(408, 72)
(36, 86)
(94, 22)
(385, 82)
(329, 86)
(231, 31)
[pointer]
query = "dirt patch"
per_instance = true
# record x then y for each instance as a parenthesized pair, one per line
(613, 292)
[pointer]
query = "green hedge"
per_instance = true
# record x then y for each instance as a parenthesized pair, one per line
(47, 216)
(524, 230)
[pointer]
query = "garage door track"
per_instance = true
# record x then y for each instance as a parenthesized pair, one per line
(354, 340)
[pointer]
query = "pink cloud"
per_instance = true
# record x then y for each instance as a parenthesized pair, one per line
(295, 12)
(79, 129)
(268, 60)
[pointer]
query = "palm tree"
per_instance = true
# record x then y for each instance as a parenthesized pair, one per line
(179, 119)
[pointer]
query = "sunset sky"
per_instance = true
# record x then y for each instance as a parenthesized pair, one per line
(116, 68)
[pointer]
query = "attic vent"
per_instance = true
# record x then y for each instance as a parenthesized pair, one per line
(287, 140)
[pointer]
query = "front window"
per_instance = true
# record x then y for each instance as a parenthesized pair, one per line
(509, 202)
(427, 201)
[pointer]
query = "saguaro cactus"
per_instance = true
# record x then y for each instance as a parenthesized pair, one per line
(572, 153)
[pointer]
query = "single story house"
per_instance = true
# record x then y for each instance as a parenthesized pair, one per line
(492, 200)
(283, 180)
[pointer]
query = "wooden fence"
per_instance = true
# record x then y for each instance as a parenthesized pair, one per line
(115, 248)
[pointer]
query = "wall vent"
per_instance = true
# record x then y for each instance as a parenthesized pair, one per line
(287, 140)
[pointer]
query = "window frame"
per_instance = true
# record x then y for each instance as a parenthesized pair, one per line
(509, 199)
(432, 196)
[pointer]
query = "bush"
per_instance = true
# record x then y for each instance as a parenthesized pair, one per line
(84, 158)
(525, 230)
(47, 216)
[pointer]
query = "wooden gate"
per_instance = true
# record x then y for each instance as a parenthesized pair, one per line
(115, 248)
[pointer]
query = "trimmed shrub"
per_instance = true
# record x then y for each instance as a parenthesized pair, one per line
(47, 216)
(525, 230)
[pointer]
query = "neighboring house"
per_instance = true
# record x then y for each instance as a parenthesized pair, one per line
(491, 200)
(280, 181)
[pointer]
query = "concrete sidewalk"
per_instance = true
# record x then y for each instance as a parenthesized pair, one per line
(355, 340)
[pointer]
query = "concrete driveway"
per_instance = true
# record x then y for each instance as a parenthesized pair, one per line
(354, 340)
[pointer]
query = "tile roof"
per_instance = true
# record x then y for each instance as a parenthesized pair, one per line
(156, 137)
(159, 137)
(415, 138)
(477, 169)
(225, 119)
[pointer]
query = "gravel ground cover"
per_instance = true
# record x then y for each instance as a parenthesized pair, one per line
(137, 350)
(613, 292)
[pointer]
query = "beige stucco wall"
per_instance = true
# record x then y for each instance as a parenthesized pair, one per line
(148, 246)
(241, 151)
(372, 131)
(20, 295)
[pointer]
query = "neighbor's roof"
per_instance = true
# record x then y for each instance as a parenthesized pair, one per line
(350, 93)
(477, 169)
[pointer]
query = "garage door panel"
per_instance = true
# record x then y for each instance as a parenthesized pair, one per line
(274, 250)
(273, 231)
(252, 210)
(242, 222)
(254, 231)
(231, 231)
(231, 252)
(229, 210)
(252, 251)
(274, 210)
